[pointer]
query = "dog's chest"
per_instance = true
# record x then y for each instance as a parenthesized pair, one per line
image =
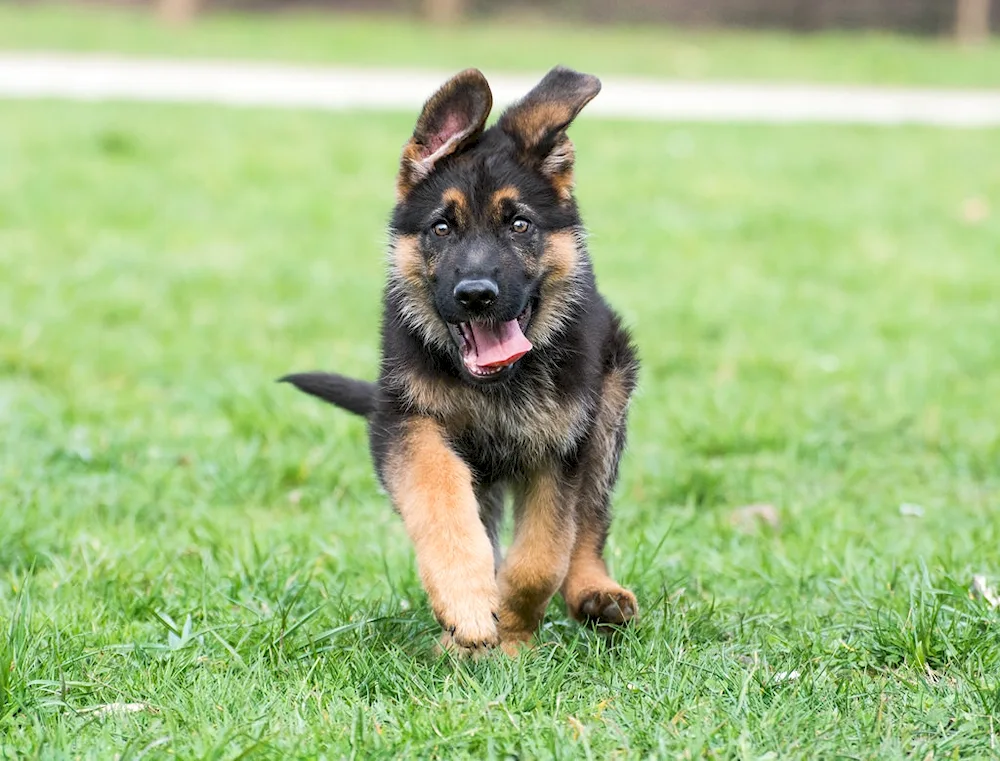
(507, 440)
(504, 434)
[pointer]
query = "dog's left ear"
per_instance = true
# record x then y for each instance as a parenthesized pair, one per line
(538, 123)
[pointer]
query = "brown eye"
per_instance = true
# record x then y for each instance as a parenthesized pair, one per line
(520, 225)
(441, 229)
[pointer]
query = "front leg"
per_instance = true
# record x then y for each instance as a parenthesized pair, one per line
(538, 559)
(432, 488)
(591, 594)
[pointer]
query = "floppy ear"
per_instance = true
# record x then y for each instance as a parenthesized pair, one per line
(538, 123)
(452, 117)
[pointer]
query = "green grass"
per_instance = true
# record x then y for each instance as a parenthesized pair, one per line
(818, 321)
(515, 44)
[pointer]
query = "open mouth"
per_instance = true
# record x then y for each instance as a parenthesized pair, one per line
(490, 348)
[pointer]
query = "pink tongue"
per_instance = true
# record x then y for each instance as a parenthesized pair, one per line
(499, 345)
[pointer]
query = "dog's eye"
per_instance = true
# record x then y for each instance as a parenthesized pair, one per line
(441, 229)
(520, 225)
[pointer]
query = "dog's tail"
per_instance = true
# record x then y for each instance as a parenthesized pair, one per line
(355, 396)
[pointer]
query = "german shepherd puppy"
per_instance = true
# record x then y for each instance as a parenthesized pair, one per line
(502, 368)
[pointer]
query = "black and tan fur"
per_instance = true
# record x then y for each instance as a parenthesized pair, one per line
(549, 429)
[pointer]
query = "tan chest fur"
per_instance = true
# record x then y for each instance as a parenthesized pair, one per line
(534, 426)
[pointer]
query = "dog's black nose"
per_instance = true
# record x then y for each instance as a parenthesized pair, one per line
(476, 294)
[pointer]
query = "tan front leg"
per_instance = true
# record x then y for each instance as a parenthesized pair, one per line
(431, 487)
(538, 559)
(591, 595)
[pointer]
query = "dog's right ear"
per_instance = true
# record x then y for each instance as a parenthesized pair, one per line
(452, 117)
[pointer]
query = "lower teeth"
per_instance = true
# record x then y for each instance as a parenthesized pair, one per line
(486, 371)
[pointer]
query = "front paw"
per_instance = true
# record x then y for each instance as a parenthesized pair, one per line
(606, 609)
(472, 635)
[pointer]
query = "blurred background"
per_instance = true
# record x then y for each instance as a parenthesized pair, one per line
(918, 42)
(970, 19)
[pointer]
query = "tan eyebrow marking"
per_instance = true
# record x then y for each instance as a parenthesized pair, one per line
(456, 198)
(506, 193)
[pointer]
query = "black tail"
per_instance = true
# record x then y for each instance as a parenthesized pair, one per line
(355, 396)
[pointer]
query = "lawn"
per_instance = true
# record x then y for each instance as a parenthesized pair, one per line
(817, 311)
(511, 44)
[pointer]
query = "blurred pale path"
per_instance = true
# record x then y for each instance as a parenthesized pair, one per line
(96, 78)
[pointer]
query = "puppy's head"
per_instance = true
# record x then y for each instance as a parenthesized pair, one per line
(486, 249)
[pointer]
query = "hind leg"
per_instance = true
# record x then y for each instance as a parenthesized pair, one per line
(490, 501)
(591, 595)
(538, 559)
